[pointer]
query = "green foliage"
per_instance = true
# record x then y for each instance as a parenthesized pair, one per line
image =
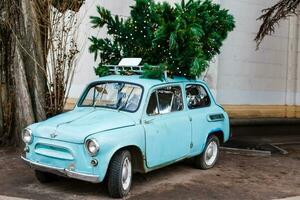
(102, 70)
(154, 72)
(181, 39)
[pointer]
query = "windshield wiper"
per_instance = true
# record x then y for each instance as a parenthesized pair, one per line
(124, 104)
(102, 92)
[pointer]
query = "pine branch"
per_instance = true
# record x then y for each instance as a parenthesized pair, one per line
(183, 38)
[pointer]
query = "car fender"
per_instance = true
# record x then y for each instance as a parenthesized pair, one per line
(113, 140)
(221, 126)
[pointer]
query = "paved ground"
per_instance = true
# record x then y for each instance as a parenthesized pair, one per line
(234, 177)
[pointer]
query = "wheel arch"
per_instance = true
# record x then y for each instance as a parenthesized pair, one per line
(219, 133)
(137, 156)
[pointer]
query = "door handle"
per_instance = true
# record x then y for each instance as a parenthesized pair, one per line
(148, 121)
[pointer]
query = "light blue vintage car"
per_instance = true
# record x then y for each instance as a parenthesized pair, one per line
(125, 124)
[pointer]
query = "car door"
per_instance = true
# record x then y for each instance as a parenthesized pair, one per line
(167, 126)
(198, 104)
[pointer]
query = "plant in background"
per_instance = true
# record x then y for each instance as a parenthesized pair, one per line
(273, 15)
(183, 38)
(62, 51)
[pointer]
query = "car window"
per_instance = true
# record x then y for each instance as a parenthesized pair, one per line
(197, 96)
(114, 95)
(152, 108)
(165, 100)
(170, 99)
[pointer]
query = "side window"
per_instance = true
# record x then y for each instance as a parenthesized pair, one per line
(152, 108)
(170, 99)
(197, 96)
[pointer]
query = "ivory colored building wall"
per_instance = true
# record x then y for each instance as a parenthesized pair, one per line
(260, 83)
(248, 82)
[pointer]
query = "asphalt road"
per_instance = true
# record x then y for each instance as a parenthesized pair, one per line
(234, 177)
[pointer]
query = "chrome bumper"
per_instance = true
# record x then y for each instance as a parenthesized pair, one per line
(62, 171)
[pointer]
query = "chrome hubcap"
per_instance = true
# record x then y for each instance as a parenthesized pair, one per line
(126, 173)
(211, 153)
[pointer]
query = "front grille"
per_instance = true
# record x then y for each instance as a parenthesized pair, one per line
(54, 151)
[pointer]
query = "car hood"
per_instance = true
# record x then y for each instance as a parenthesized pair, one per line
(74, 126)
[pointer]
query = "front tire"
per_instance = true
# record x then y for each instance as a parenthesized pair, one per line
(45, 177)
(210, 155)
(120, 174)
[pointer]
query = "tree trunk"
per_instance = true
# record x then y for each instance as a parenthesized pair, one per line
(33, 58)
(23, 73)
(24, 46)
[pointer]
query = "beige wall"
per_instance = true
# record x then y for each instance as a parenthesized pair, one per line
(261, 111)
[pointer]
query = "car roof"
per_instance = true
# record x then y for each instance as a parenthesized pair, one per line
(145, 82)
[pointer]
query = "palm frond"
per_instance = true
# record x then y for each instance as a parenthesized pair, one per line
(273, 15)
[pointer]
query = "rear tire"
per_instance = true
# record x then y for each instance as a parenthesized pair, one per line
(208, 158)
(120, 174)
(45, 177)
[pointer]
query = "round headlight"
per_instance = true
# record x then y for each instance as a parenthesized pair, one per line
(27, 136)
(92, 146)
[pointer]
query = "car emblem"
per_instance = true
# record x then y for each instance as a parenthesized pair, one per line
(53, 135)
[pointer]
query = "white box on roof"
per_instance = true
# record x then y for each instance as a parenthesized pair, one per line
(130, 62)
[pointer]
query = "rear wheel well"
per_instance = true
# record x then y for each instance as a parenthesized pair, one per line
(136, 156)
(219, 134)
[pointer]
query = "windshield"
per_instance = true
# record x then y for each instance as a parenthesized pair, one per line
(114, 95)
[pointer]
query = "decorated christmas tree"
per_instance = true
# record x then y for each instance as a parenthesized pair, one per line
(181, 39)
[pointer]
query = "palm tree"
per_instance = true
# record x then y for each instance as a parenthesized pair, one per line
(273, 15)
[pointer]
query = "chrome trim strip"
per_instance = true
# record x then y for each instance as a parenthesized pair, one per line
(215, 117)
(62, 171)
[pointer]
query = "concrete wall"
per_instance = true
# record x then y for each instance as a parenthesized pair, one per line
(251, 80)
(247, 81)
(247, 76)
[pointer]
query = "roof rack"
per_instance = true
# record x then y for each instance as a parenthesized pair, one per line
(127, 65)
(130, 65)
